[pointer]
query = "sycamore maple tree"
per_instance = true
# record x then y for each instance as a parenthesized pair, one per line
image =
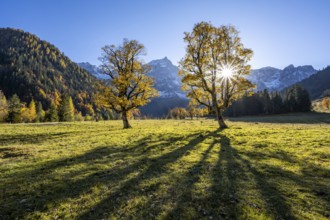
(129, 86)
(214, 67)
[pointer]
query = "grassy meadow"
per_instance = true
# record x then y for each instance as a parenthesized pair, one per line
(167, 169)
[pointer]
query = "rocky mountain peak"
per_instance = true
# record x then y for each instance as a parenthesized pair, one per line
(277, 79)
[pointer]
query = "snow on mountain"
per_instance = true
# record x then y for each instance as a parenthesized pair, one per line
(167, 81)
(94, 70)
(275, 79)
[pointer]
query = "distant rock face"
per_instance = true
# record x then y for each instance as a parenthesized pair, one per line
(167, 81)
(168, 84)
(94, 70)
(275, 79)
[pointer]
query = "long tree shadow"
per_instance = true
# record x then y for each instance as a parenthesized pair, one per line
(225, 175)
(41, 193)
(226, 200)
(223, 199)
(155, 168)
(307, 182)
(191, 177)
(8, 139)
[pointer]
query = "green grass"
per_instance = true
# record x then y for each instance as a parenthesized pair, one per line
(165, 169)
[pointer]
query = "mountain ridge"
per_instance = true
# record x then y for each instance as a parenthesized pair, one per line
(275, 79)
(317, 83)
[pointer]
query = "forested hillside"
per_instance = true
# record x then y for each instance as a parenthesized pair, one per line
(317, 83)
(35, 69)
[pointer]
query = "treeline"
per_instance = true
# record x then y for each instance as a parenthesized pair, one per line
(189, 112)
(62, 109)
(293, 99)
(15, 111)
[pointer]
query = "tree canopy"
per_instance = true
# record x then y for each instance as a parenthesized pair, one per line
(129, 86)
(214, 67)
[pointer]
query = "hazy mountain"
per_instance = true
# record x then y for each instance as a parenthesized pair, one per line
(276, 79)
(35, 69)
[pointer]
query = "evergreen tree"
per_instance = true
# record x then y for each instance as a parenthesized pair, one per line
(52, 114)
(14, 110)
(40, 113)
(290, 102)
(66, 109)
(303, 100)
(277, 103)
(297, 99)
(267, 105)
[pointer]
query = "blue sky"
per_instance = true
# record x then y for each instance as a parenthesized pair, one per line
(280, 32)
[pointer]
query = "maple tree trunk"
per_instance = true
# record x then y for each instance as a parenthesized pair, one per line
(125, 120)
(220, 120)
(218, 114)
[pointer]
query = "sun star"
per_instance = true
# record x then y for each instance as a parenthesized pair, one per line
(227, 72)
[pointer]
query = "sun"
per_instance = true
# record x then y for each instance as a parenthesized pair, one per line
(227, 72)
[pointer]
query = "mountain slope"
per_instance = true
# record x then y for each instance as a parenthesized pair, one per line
(94, 70)
(167, 81)
(275, 79)
(317, 83)
(35, 69)
(168, 84)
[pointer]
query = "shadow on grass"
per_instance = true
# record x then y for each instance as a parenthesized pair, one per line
(155, 167)
(299, 118)
(10, 152)
(31, 138)
(225, 199)
(43, 190)
(222, 200)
